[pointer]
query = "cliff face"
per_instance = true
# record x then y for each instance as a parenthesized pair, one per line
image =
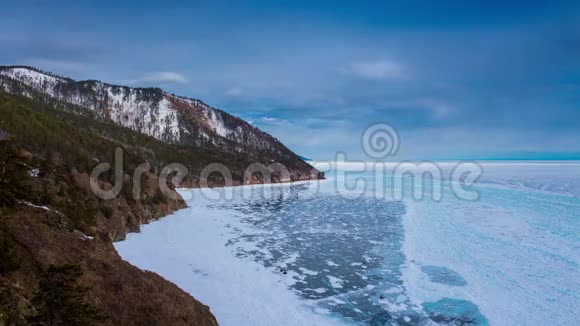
(124, 293)
(49, 217)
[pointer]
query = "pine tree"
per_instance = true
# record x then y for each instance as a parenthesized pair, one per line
(13, 173)
(61, 301)
(9, 259)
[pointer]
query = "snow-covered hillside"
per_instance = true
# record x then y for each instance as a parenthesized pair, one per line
(151, 111)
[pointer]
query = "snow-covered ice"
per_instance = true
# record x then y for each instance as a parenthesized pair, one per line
(189, 248)
(305, 256)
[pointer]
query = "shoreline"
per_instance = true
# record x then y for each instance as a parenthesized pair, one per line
(188, 248)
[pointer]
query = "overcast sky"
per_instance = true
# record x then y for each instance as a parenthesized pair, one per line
(457, 80)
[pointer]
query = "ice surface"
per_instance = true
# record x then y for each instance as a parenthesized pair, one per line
(189, 248)
(443, 275)
(302, 255)
(516, 248)
(454, 312)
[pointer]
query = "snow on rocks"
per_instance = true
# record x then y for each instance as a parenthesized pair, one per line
(151, 111)
(41, 207)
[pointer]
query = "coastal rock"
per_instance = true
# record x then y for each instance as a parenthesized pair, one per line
(127, 294)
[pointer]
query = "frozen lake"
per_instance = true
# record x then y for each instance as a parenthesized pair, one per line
(303, 254)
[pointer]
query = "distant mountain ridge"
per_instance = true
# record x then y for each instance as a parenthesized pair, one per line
(154, 112)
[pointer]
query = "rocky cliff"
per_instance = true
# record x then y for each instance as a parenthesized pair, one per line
(49, 217)
(156, 113)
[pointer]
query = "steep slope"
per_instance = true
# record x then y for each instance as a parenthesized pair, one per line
(49, 216)
(125, 294)
(53, 132)
(151, 111)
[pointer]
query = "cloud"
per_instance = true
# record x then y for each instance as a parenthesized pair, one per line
(160, 77)
(439, 108)
(377, 70)
(234, 91)
(274, 121)
(319, 142)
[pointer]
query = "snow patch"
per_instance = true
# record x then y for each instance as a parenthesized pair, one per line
(41, 207)
(335, 281)
(216, 123)
(33, 78)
